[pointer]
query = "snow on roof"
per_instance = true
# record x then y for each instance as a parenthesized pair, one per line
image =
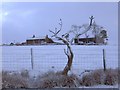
(34, 38)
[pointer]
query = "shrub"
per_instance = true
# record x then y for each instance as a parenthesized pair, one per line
(56, 79)
(118, 76)
(25, 73)
(13, 80)
(87, 80)
(52, 79)
(109, 77)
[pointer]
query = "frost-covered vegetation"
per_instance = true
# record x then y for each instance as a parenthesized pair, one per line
(53, 79)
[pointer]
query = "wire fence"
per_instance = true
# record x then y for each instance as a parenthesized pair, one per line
(43, 59)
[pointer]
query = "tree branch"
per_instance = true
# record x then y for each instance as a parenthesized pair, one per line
(65, 52)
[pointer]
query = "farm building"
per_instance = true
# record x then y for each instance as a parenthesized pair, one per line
(99, 39)
(89, 41)
(39, 40)
(91, 34)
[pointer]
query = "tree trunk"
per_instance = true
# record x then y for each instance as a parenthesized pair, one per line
(69, 55)
(69, 63)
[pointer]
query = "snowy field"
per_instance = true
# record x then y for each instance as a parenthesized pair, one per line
(52, 58)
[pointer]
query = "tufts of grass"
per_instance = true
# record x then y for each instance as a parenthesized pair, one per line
(56, 79)
(111, 77)
(52, 79)
(108, 77)
(13, 80)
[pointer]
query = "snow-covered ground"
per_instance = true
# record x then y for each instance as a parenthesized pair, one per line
(52, 57)
(102, 86)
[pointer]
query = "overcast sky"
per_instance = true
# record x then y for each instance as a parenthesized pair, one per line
(21, 20)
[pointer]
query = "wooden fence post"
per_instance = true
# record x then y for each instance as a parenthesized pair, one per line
(32, 64)
(104, 60)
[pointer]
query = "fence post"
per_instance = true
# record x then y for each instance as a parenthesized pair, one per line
(32, 64)
(104, 60)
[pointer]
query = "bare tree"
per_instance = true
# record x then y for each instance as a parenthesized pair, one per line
(68, 52)
(80, 30)
(97, 30)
